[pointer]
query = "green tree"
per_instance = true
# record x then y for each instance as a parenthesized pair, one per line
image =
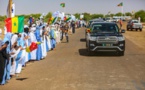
(141, 14)
(93, 16)
(87, 16)
(111, 15)
(128, 14)
(2, 18)
(49, 15)
(118, 14)
(77, 15)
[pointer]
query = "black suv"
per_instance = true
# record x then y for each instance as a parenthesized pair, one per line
(105, 37)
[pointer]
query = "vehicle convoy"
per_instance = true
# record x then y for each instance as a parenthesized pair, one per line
(105, 37)
(134, 24)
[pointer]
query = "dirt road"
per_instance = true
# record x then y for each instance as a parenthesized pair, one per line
(69, 68)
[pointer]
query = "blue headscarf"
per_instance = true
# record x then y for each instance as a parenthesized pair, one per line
(7, 38)
(37, 34)
(20, 41)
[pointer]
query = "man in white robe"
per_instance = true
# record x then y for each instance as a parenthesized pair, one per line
(13, 42)
(57, 31)
(48, 36)
(32, 38)
(25, 35)
(43, 44)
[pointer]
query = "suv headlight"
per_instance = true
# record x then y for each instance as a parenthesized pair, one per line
(93, 38)
(121, 38)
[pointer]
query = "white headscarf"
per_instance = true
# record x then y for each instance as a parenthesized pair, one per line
(26, 26)
(33, 29)
(33, 25)
(14, 39)
(53, 27)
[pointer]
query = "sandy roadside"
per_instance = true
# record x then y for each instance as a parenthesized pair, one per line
(137, 37)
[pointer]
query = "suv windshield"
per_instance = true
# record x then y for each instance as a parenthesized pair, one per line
(135, 21)
(105, 28)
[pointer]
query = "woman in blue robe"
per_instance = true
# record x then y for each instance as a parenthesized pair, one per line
(21, 55)
(52, 37)
(39, 50)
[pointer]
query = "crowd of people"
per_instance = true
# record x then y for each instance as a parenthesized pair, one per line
(13, 48)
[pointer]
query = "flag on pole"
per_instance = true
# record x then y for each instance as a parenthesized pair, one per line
(15, 24)
(52, 20)
(120, 4)
(9, 9)
(109, 12)
(13, 10)
(33, 46)
(68, 19)
(62, 5)
(65, 18)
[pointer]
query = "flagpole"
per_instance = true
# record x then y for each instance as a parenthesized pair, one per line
(9, 9)
(64, 10)
(122, 9)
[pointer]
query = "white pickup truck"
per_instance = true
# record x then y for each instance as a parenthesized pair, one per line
(134, 24)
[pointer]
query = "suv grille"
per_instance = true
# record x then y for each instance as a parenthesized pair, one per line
(108, 39)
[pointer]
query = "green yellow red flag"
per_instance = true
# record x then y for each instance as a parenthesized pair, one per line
(15, 24)
(120, 4)
(62, 5)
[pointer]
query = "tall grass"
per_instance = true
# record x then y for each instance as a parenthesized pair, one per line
(2, 24)
(2, 27)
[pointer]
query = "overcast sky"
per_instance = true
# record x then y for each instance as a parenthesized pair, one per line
(72, 6)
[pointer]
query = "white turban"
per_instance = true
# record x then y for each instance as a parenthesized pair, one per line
(53, 27)
(33, 25)
(25, 26)
(33, 29)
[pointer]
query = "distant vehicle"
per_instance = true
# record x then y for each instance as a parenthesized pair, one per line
(108, 19)
(116, 20)
(105, 37)
(134, 24)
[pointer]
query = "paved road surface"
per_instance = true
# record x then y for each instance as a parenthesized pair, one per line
(69, 68)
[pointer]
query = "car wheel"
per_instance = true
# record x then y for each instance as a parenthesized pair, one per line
(127, 28)
(86, 44)
(121, 53)
(85, 35)
(89, 53)
(136, 29)
(140, 29)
